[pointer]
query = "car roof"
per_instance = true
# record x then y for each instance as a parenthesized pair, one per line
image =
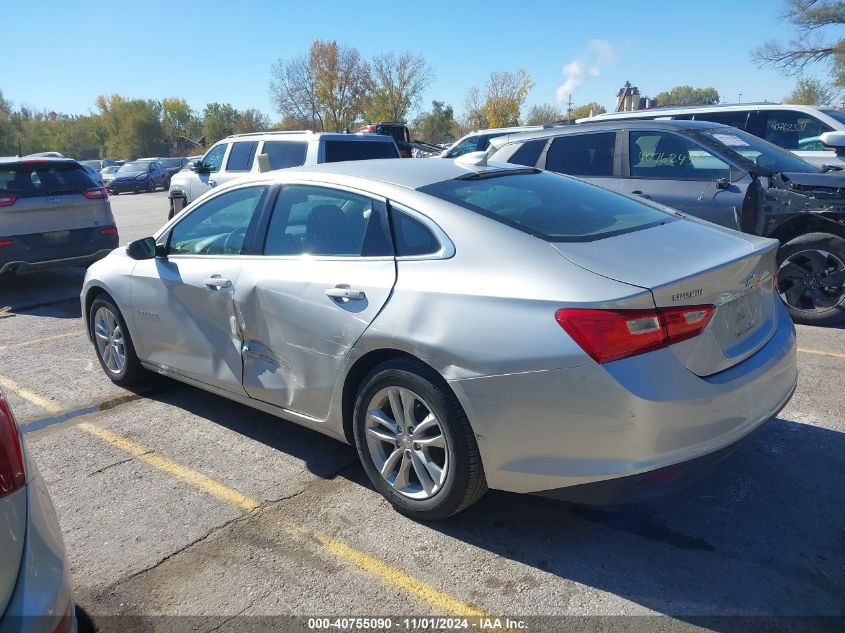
(599, 126)
(404, 172)
(691, 109)
(35, 158)
(329, 136)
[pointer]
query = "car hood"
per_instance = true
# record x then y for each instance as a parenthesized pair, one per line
(833, 179)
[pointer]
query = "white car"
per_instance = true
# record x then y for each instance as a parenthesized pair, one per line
(237, 156)
(797, 128)
(479, 140)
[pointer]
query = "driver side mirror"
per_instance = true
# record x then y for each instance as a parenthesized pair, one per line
(195, 165)
(145, 248)
(834, 140)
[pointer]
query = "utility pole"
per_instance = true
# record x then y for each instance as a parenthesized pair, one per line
(569, 110)
(740, 98)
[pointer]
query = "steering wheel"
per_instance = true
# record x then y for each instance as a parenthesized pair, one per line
(237, 232)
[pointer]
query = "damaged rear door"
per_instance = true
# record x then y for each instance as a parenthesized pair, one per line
(675, 171)
(327, 271)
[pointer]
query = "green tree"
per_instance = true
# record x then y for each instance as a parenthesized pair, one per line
(178, 121)
(251, 120)
(394, 85)
(811, 91)
(818, 23)
(684, 95)
(588, 109)
(339, 86)
(542, 114)
(437, 126)
(132, 126)
(218, 121)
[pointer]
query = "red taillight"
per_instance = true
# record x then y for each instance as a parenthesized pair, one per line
(608, 335)
(7, 199)
(109, 230)
(96, 193)
(12, 475)
(5, 243)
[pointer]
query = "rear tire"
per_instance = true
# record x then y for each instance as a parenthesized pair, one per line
(431, 459)
(804, 265)
(112, 343)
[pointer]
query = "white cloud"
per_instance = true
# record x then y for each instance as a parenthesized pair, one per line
(577, 72)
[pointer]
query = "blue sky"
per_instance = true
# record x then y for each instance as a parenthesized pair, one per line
(61, 55)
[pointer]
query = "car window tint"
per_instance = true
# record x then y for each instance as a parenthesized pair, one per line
(337, 151)
(411, 236)
(311, 220)
(469, 144)
(213, 161)
(217, 226)
(737, 119)
(529, 153)
(547, 205)
(32, 179)
(793, 130)
(582, 154)
(672, 157)
(283, 154)
(240, 156)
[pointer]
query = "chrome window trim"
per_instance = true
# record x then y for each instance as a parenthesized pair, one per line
(447, 247)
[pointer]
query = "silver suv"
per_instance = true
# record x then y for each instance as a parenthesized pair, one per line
(237, 155)
(52, 214)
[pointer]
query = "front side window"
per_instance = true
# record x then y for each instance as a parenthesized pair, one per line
(549, 206)
(241, 155)
(582, 154)
(218, 226)
(213, 161)
(467, 145)
(529, 153)
(667, 156)
(284, 154)
(313, 220)
(793, 130)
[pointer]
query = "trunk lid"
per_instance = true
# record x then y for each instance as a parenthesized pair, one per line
(685, 263)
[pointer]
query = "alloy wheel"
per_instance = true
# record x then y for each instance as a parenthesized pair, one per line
(812, 281)
(108, 335)
(407, 443)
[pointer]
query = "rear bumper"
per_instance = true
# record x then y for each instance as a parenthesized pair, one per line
(540, 432)
(20, 257)
(42, 599)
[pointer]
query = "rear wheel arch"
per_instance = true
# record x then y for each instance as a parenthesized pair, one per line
(359, 370)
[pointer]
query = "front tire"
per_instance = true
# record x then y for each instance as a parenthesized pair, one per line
(416, 443)
(112, 342)
(811, 278)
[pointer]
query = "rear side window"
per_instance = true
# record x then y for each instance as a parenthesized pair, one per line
(241, 155)
(43, 178)
(337, 151)
(529, 153)
(283, 154)
(411, 236)
(549, 206)
(582, 154)
(794, 130)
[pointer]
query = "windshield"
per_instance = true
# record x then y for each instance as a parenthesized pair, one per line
(732, 141)
(552, 207)
(137, 166)
(93, 164)
(109, 170)
(171, 162)
(835, 114)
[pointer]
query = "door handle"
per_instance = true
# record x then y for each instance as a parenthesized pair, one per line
(347, 293)
(643, 194)
(217, 282)
(212, 183)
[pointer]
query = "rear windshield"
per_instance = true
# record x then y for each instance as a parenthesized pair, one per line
(553, 207)
(33, 179)
(337, 151)
(135, 167)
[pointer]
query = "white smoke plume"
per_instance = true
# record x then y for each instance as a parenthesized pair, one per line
(579, 71)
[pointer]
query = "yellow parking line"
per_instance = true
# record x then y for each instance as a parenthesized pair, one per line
(390, 575)
(168, 466)
(44, 339)
(821, 353)
(26, 394)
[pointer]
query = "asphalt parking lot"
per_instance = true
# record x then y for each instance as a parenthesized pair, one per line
(175, 502)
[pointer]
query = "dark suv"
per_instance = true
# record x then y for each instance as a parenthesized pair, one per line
(720, 174)
(51, 214)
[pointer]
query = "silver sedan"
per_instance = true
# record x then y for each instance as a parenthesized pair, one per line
(464, 325)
